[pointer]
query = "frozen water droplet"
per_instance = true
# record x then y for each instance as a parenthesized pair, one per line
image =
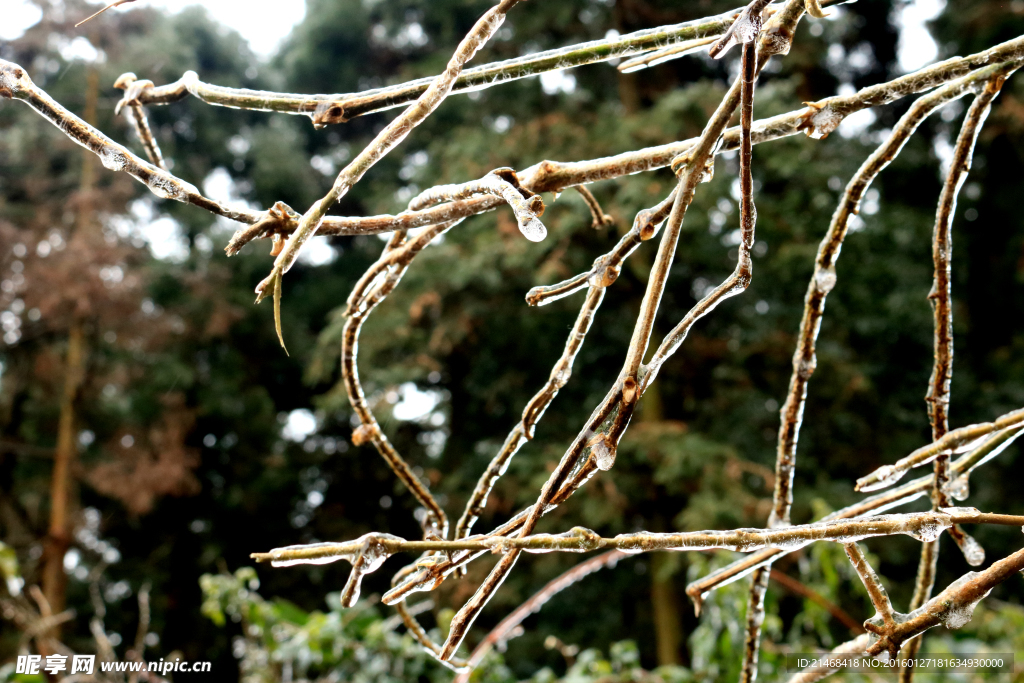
(10, 80)
(163, 187)
(958, 614)
(632, 544)
(112, 159)
(930, 529)
(498, 545)
(822, 121)
(604, 454)
(533, 229)
(825, 279)
(746, 28)
(959, 488)
(973, 552)
(883, 477)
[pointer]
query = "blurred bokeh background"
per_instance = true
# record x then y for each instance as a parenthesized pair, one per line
(197, 441)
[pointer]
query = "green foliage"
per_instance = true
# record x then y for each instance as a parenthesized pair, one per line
(280, 641)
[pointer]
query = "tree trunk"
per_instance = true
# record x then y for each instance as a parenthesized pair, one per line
(59, 538)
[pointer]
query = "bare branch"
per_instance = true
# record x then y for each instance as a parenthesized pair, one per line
(873, 585)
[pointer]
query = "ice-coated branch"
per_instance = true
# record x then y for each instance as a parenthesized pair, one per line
(509, 627)
(15, 83)
(393, 134)
(911, 491)
(952, 442)
(501, 182)
(372, 547)
(372, 288)
(939, 384)
(606, 267)
(951, 608)
(132, 86)
(873, 585)
(552, 176)
(941, 295)
(328, 109)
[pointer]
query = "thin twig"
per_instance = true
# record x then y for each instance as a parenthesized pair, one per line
(137, 115)
(665, 54)
(873, 585)
(645, 227)
(598, 217)
(939, 383)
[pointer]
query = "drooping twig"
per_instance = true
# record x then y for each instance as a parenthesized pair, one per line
(393, 134)
(116, 3)
(375, 285)
(941, 295)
